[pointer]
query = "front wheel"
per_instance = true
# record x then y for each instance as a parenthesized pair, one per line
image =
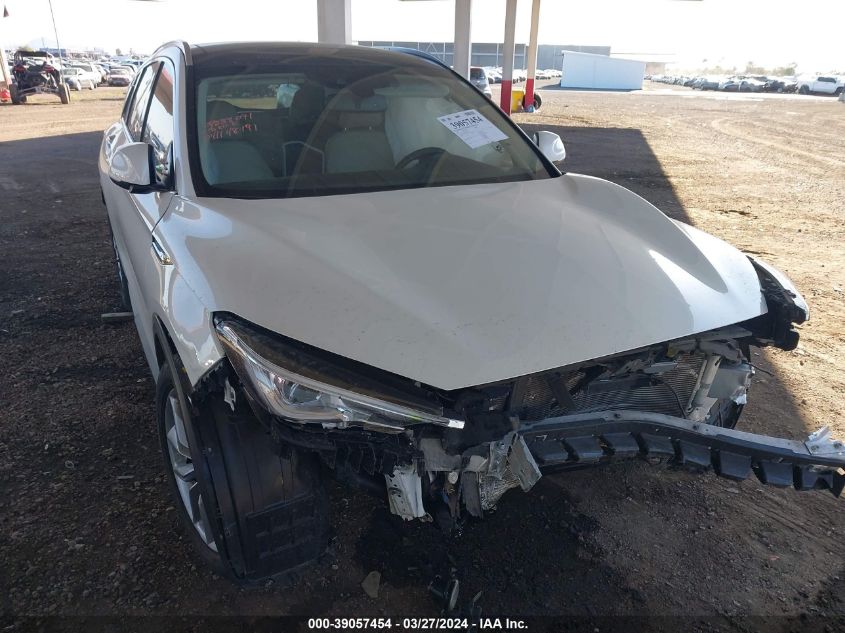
(253, 509)
(804, 90)
(178, 444)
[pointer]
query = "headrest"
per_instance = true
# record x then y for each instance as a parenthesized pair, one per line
(347, 102)
(219, 109)
(307, 103)
(410, 86)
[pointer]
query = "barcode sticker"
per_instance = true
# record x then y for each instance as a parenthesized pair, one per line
(472, 128)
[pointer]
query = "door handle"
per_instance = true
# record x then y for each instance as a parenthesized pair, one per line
(161, 254)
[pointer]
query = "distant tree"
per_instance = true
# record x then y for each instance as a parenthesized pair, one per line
(118, 51)
(27, 48)
(751, 69)
(781, 71)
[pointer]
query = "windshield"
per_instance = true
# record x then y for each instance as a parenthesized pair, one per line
(331, 123)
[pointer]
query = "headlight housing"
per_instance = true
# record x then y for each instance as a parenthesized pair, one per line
(288, 382)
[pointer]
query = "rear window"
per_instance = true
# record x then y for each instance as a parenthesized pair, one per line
(322, 125)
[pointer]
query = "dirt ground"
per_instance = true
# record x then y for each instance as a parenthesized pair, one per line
(86, 521)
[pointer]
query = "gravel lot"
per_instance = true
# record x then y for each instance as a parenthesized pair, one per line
(86, 521)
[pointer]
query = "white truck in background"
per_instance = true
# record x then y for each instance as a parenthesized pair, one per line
(823, 84)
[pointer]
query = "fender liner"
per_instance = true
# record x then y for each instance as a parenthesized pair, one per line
(267, 502)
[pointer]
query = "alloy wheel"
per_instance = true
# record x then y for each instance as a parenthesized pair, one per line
(179, 453)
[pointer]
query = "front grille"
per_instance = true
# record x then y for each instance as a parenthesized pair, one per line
(667, 392)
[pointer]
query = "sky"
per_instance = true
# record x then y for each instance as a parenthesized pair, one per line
(690, 33)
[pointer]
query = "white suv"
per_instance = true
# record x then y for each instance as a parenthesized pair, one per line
(383, 279)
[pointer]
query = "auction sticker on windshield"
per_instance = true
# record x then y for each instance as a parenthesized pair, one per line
(472, 128)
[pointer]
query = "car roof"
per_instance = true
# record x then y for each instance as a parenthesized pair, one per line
(229, 52)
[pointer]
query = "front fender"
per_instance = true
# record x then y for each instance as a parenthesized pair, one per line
(188, 324)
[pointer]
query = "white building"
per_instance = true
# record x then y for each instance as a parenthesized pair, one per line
(585, 70)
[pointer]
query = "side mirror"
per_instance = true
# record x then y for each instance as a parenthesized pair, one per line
(130, 167)
(551, 145)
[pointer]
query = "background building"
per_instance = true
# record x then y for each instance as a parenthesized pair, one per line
(490, 54)
(585, 70)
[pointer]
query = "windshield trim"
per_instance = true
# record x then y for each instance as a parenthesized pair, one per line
(202, 189)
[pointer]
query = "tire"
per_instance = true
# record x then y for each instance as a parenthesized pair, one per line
(64, 93)
(837, 92)
(13, 94)
(537, 103)
(804, 90)
(253, 512)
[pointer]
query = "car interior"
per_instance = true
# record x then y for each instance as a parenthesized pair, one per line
(263, 128)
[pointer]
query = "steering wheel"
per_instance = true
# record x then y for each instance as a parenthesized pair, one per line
(424, 154)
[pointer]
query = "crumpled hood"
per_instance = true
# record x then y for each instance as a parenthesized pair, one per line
(460, 286)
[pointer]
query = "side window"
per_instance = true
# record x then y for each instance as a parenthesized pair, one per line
(138, 110)
(827, 80)
(158, 131)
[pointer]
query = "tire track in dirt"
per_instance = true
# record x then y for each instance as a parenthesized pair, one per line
(728, 127)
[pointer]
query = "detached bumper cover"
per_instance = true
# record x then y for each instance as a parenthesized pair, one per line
(816, 463)
(488, 470)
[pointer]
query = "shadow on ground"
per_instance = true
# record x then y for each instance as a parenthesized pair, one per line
(620, 155)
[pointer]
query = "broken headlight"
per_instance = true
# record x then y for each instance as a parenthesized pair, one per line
(289, 382)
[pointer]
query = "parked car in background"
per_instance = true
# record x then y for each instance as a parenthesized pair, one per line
(130, 69)
(772, 84)
(88, 70)
(752, 84)
(821, 84)
(707, 83)
(741, 83)
(119, 76)
(729, 83)
(77, 79)
(478, 78)
(104, 73)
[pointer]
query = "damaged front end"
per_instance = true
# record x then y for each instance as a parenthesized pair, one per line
(451, 453)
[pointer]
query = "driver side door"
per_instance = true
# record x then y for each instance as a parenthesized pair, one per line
(148, 117)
